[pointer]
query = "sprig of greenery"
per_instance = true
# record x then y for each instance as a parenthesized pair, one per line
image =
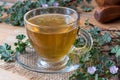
(74, 4)
(2, 10)
(7, 53)
(98, 56)
(89, 1)
(21, 43)
(116, 50)
(18, 10)
(87, 8)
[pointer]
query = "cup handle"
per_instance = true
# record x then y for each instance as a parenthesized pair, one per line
(88, 41)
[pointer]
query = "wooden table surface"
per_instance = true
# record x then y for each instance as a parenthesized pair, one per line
(7, 35)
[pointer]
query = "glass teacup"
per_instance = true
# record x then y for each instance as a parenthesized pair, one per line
(52, 32)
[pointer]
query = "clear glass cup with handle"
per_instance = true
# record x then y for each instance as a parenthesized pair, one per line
(52, 32)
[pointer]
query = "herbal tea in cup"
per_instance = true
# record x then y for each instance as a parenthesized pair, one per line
(52, 32)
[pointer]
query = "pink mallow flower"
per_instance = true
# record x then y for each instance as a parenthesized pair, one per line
(44, 5)
(113, 69)
(55, 4)
(91, 70)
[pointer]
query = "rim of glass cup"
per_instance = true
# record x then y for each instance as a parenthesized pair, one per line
(25, 16)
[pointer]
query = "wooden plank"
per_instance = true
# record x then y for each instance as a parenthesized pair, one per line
(7, 75)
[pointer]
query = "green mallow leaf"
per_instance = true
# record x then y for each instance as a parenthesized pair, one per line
(7, 47)
(87, 9)
(79, 1)
(20, 37)
(107, 37)
(1, 49)
(77, 76)
(43, 1)
(94, 31)
(50, 2)
(109, 63)
(116, 50)
(96, 76)
(21, 44)
(100, 68)
(2, 9)
(103, 79)
(85, 57)
(89, 1)
(79, 42)
(6, 53)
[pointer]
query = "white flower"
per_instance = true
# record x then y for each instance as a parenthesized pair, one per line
(113, 69)
(91, 70)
